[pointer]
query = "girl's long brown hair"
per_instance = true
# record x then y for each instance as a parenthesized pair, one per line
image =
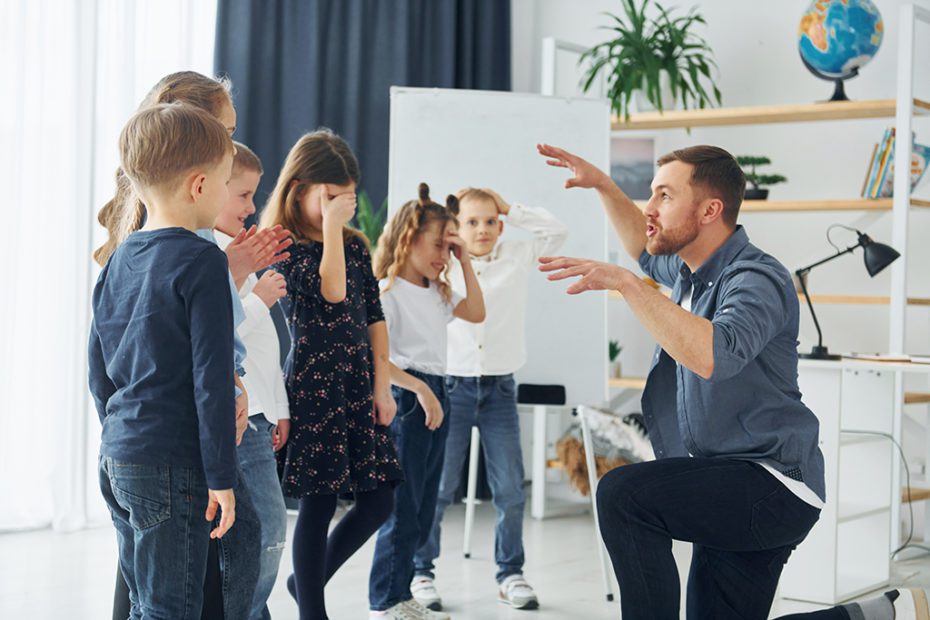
(124, 213)
(402, 230)
(317, 157)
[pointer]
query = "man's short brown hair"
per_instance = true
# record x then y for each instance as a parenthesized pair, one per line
(715, 173)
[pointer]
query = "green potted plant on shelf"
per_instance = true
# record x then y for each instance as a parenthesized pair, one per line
(613, 354)
(649, 53)
(756, 180)
(369, 220)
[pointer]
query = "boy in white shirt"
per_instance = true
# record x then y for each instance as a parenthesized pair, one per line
(482, 358)
(269, 417)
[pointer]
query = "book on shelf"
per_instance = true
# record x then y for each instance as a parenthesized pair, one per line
(879, 178)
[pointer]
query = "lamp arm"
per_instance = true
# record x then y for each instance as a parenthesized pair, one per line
(801, 273)
(805, 270)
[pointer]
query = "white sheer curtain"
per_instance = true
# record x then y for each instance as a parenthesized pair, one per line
(72, 73)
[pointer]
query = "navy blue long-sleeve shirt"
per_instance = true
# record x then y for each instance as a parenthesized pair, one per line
(161, 355)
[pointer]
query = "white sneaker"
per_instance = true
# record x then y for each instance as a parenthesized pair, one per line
(516, 592)
(425, 593)
(407, 610)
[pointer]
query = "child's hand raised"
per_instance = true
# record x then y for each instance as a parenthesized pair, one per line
(253, 250)
(503, 207)
(456, 244)
(270, 287)
(338, 210)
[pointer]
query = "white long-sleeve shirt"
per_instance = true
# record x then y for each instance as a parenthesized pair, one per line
(497, 346)
(263, 380)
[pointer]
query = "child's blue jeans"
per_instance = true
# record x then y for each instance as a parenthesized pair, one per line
(421, 454)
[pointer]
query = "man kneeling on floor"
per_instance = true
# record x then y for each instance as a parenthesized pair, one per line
(738, 472)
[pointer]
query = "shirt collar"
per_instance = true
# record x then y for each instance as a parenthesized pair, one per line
(710, 271)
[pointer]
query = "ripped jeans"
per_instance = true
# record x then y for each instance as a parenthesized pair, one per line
(260, 475)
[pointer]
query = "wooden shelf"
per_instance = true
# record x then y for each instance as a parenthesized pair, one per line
(917, 494)
(852, 204)
(753, 115)
(916, 398)
(627, 383)
(863, 300)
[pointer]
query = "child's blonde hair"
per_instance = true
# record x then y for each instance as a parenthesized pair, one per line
(124, 213)
(162, 143)
(474, 193)
(402, 230)
(245, 159)
(318, 157)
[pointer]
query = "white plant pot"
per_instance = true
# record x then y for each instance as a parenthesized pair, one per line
(615, 370)
(640, 103)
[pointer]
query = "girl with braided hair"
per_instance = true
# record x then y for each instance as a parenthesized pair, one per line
(412, 262)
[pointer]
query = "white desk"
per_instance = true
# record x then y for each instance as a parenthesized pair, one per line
(848, 551)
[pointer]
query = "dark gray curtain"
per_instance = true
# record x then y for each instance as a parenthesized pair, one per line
(300, 64)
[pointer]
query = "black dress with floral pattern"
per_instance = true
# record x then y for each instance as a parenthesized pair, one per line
(335, 446)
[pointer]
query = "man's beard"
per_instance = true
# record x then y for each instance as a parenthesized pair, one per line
(672, 241)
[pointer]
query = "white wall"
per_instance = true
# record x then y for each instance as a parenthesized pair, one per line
(755, 43)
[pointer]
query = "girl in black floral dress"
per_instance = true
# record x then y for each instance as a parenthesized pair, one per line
(337, 372)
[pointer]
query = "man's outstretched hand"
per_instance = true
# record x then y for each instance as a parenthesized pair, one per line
(585, 174)
(595, 275)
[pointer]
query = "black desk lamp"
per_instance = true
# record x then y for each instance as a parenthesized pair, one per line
(877, 256)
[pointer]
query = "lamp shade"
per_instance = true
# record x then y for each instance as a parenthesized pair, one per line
(878, 256)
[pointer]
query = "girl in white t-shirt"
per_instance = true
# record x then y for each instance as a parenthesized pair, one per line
(412, 262)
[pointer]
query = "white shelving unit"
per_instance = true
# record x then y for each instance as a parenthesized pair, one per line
(846, 553)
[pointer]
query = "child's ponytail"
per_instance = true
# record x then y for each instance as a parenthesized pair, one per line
(401, 232)
(124, 214)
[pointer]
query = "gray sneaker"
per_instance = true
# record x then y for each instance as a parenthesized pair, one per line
(407, 610)
(516, 592)
(425, 593)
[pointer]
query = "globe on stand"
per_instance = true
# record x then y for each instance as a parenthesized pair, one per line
(836, 38)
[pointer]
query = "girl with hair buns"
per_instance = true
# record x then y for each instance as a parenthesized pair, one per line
(412, 262)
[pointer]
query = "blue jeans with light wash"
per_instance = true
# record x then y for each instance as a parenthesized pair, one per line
(260, 474)
(421, 454)
(490, 403)
(161, 534)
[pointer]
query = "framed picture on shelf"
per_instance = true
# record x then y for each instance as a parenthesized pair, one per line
(632, 165)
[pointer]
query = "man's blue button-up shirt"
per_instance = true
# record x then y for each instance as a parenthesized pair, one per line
(750, 408)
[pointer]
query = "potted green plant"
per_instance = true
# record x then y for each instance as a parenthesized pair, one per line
(613, 354)
(756, 180)
(369, 220)
(649, 52)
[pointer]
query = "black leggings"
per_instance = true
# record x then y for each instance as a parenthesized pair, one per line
(317, 556)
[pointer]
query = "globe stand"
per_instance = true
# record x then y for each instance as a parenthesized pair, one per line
(839, 92)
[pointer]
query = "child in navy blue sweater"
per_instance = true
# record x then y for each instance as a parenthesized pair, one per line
(160, 355)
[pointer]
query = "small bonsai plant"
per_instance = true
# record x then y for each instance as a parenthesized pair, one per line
(613, 353)
(644, 49)
(369, 220)
(756, 180)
